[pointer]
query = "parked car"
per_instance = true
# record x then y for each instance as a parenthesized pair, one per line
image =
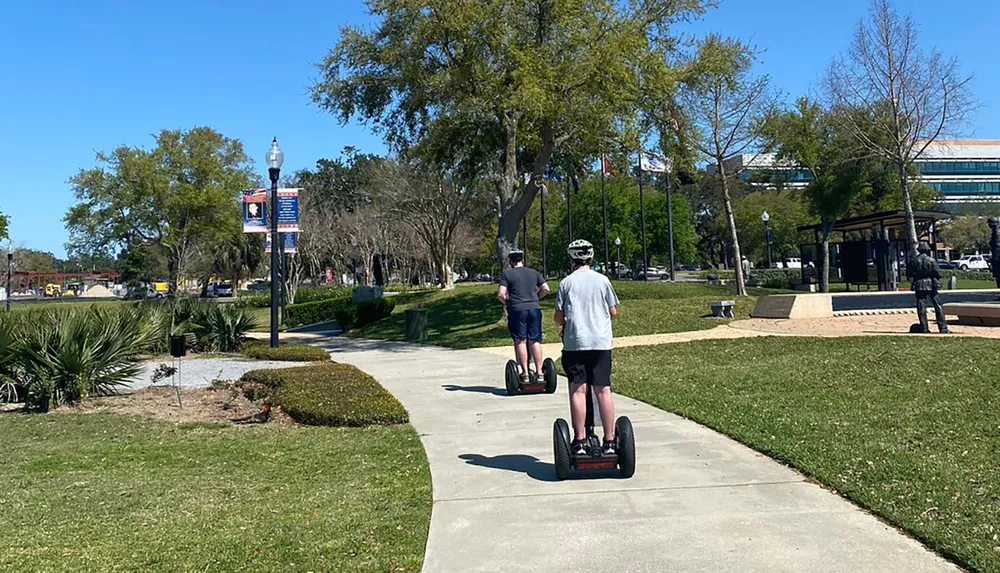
(792, 263)
(654, 273)
(687, 268)
(975, 262)
(945, 264)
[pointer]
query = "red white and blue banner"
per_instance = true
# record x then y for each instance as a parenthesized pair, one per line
(289, 240)
(288, 210)
(255, 211)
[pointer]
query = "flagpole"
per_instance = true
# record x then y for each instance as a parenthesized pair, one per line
(545, 263)
(642, 218)
(524, 232)
(604, 205)
(569, 210)
(670, 224)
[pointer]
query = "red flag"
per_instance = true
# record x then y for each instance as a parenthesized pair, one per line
(606, 166)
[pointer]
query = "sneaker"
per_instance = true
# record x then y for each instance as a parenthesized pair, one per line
(578, 448)
(608, 448)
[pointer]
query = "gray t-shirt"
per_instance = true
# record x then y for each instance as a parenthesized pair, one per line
(522, 288)
(585, 297)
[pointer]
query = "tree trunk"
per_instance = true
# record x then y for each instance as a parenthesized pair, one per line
(824, 256)
(741, 289)
(173, 273)
(911, 227)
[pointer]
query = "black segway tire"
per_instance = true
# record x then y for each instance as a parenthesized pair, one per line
(551, 376)
(626, 446)
(511, 378)
(560, 445)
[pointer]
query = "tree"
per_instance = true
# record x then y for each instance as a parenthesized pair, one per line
(33, 261)
(909, 97)
(726, 107)
(495, 87)
(183, 191)
(434, 205)
(789, 210)
(4, 226)
(966, 234)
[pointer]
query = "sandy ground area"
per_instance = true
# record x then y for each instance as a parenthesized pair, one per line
(855, 326)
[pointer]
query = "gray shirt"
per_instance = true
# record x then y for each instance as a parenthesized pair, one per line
(585, 297)
(522, 288)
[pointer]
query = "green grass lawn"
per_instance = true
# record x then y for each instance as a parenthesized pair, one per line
(104, 492)
(467, 316)
(907, 427)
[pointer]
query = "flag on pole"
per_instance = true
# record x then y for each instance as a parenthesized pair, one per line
(606, 166)
(653, 163)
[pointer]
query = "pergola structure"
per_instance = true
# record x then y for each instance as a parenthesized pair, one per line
(872, 250)
(26, 281)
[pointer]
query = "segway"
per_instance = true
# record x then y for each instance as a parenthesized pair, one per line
(516, 384)
(594, 459)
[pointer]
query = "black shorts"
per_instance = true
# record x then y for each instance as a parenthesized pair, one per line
(582, 366)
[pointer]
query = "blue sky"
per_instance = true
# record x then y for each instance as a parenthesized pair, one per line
(86, 76)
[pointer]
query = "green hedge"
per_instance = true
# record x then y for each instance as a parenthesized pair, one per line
(967, 275)
(365, 312)
(320, 293)
(313, 312)
(285, 352)
(329, 394)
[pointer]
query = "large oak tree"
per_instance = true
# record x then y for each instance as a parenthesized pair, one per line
(183, 191)
(495, 87)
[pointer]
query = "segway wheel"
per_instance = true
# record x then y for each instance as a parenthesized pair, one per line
(560, 444)
(511, 378)
(626, 446)
(551, 376)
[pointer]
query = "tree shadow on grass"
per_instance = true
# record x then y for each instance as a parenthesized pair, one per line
(530, 465)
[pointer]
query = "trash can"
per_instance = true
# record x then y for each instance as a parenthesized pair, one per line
(416, 324)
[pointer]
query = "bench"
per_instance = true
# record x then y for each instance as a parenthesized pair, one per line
(722, 308)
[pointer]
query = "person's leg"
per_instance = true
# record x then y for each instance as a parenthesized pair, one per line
(534, 320)
(601, 380)
(578, 410)
(518, 331)
(576, 371)
(521, 351)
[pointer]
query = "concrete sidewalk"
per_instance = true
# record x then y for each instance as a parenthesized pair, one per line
(698, 501)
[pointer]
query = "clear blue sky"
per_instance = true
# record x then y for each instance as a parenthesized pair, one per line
(85, 76)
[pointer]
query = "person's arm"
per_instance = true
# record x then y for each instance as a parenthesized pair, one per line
(543, 287)
(502, 294)
(560, 316)
(611, 299)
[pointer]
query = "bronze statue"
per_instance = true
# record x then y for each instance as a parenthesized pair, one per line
(925, 278)
(994, 249)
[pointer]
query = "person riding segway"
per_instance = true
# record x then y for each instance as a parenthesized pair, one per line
(585, 305)
(519, 291)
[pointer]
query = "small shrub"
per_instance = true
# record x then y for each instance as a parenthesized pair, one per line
(285, 352)
(365, 312)
(375, 309)
(253, 300)
(222, 328)
(320, 293)
(347, 318)
(329, 394)
(299, 314)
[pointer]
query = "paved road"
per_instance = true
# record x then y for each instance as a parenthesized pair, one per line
(698, 501)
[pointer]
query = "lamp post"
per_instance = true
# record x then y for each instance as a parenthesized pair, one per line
(767, 236)
(10, 263)
(275, 158)
(618, 261)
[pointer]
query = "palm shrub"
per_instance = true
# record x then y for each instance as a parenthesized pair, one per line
(9, 386)
(222, 327)
(69, 354)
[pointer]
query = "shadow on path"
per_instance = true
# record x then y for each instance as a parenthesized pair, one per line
(479, 389)
(530, 465)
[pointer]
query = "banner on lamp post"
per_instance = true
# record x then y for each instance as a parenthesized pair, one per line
(289, 240)
(652, 163)
(288, 210)
(255, 211)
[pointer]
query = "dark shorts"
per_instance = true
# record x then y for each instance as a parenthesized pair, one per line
(525, 324)
(584, 366)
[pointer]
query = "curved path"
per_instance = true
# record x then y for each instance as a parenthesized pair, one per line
(698, 501)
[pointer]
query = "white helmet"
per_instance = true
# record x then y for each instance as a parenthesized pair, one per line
(580, 250)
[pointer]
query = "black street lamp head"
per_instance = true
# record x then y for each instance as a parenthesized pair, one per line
(275, 157)
(765, 217)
